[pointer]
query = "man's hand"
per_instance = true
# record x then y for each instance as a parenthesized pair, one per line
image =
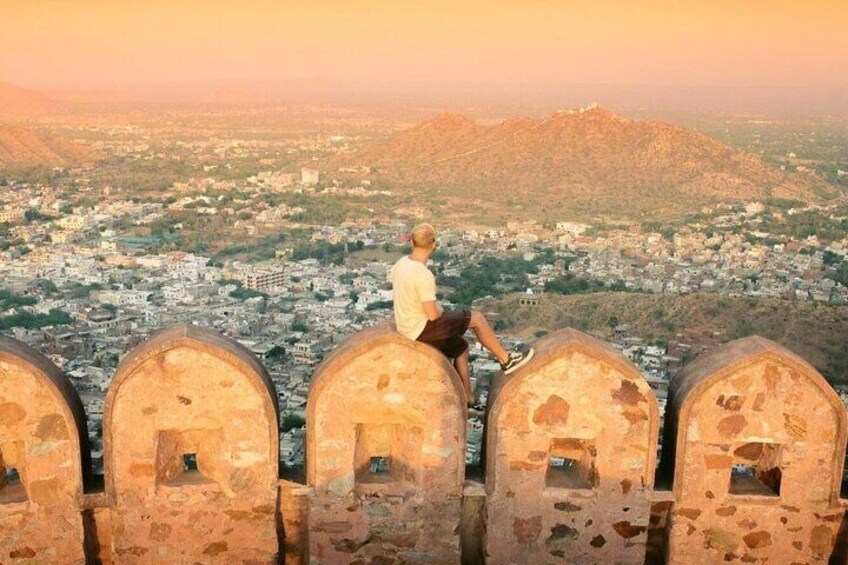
(432, 309)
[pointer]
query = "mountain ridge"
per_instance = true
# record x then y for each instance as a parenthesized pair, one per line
(21, 147)
(592, 161)
(18, 103)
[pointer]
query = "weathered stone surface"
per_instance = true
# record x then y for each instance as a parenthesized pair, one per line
(52, 428)
(713, 461)
(691, 513)
(730, 426)
(215, 549)
(581, 400)
(598, 541)
(332, 527)
(12, 413)
(294, 510)
(553, 411)
(382, 395)
(160, 532)
(821, 540)
(42, 435)
(731, 403)
(567, 507)
(773, 513)
(527, 530)
(752, 404)
(723, 541)
(627, 530)
(629, 394)
(757, 540)
(22, 553)
(795, 425)
(191, 516)
(749, 451)
(560, 532)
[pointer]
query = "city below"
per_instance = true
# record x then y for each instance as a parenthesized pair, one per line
(82, 287)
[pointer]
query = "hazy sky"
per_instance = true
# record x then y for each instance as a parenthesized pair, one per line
(531, 45)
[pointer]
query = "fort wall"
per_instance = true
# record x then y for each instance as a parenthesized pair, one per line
(387, 468)
(42, 441)
(757, 462)
(570, 457)
(754, 445)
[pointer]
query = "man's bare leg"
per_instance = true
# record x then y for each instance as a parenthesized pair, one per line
(486, 336)
(463, 367)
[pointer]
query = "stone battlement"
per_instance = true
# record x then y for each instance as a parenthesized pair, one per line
(750, 471)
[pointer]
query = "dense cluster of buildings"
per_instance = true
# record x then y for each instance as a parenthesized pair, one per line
(74, 258)
(724, 263)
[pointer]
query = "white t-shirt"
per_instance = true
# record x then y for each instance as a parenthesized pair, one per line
(412, 284)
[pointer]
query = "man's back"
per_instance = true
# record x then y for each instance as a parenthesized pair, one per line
(412, 284)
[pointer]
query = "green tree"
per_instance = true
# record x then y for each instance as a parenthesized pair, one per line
(292, 421)
(841, 274)
(276, 352)
(32, 215)
(245, 293)
(830, 258)
(29, 320)
(379, 305)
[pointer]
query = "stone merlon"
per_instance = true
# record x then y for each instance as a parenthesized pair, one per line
(750, 471)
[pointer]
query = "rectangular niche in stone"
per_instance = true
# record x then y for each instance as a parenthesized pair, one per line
(756, 470)
(571, 464)
(188, 457)
(387, 454)
(12, 457)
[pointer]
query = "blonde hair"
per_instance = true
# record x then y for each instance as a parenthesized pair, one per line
(423, 235)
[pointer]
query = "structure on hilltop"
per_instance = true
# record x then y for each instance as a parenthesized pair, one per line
(754, 436)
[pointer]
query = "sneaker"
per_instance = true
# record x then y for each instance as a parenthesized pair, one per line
(515, 360)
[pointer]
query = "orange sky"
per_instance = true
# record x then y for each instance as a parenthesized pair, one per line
(533, 44)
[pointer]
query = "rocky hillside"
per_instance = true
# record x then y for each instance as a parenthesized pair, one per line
(814, 331)
(578, 163)
(20, 147)
(18, 103)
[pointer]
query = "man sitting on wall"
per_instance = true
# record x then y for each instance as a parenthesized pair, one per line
(418, 315)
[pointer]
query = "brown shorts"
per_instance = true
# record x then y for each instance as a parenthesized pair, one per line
(445, 332)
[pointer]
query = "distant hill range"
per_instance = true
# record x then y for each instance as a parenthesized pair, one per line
(18, 103)
(578, 163)
(21, 147)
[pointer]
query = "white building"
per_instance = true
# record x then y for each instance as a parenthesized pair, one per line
(263, 279)
(309, 177)
(11, 215)
(305, 352)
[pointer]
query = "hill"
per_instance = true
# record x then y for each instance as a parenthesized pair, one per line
(813, 330)
(577, 164)
(20, 147)
(18, 103)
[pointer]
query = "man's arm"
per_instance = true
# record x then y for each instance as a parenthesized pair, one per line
(432, 309)
(427, 293)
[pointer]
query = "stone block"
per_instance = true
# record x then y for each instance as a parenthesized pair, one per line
(43, 438)
(385, 453)
(186, 483)
(766, 489)
(570, 454)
